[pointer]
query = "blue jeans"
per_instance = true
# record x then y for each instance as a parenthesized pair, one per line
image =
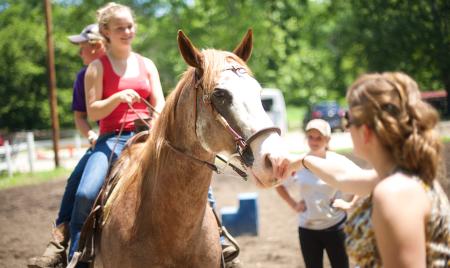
(65, 210)
(211, 199)
(92, 180)
(212, 203)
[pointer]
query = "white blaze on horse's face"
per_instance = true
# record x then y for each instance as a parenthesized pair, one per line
(240, 104)
(244, 92)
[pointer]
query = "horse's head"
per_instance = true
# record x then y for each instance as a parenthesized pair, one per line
(230, 117)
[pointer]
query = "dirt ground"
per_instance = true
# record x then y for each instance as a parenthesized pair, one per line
(26, 215)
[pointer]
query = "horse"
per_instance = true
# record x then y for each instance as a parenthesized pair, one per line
(158, 214)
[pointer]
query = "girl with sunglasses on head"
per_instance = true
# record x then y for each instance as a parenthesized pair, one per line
(322, 208)
(405, 221)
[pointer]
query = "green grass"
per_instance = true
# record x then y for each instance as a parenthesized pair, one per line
(445, 139)
(20, 179)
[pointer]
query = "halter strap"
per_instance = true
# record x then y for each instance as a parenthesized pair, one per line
(210, 165)
(262, 131)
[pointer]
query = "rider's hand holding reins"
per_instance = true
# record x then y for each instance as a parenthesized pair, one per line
(128, 96)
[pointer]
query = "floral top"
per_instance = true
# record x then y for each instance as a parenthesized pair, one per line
(361, 244)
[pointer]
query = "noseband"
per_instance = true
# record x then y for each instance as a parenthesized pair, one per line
(243, 148)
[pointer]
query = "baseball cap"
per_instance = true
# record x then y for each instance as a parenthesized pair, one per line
(321, 125)
(89, 33)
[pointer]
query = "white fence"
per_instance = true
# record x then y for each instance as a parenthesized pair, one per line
(8, 152)
(28, 155)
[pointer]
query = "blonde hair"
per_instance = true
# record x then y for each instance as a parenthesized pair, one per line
(108, 11)
(391, 105)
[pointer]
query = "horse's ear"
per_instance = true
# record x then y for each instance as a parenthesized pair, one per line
(190, 53)
(244, 49)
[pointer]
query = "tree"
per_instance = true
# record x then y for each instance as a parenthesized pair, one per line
(410, 36)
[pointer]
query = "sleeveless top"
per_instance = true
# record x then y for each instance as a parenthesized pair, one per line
(361, 244)
(112, 83)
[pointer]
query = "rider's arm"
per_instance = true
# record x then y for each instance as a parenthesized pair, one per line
(84, 127)
(98, 108)
(82, 123)
(93, 81)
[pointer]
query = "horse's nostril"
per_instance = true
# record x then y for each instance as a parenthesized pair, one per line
(267, 162)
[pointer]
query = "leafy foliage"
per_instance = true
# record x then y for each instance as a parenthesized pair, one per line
(312, 50)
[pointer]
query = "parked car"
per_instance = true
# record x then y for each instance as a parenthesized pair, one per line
(437, 99)
(273, 102)
(329, 111)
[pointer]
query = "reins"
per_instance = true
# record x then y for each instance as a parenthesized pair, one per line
(122, 126)
(243, 150)
(210, 165)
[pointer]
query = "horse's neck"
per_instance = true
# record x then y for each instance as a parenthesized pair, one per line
(179, 191)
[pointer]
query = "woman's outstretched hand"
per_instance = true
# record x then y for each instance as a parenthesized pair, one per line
(287, 166)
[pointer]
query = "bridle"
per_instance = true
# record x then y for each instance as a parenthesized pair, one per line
(243, 150)
(243, 146)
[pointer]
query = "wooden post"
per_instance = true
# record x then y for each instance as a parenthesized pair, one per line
(52, 81)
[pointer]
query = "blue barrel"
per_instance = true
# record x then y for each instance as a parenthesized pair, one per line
(242, 220)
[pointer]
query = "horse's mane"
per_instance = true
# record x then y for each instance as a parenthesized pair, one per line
(140, 164)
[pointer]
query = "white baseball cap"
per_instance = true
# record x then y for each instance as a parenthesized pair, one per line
(89, 33)
(321, 125)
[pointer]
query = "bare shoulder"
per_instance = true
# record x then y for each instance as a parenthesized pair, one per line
(398, 183)
(398, 194)
(149, 64)
(94, 68)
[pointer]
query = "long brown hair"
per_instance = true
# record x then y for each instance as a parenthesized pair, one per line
(390, 104)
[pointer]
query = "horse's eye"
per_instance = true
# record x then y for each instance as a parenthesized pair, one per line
(219, 93)
(220, 97)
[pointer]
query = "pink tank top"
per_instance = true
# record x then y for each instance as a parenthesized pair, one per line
(113, 83)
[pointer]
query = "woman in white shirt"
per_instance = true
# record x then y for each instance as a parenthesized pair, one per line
(321, 208)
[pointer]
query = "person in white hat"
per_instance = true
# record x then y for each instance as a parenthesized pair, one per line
(91, 44)
(321, 208)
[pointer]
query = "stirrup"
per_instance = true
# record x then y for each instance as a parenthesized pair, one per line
(75, 259)
(224, 232)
